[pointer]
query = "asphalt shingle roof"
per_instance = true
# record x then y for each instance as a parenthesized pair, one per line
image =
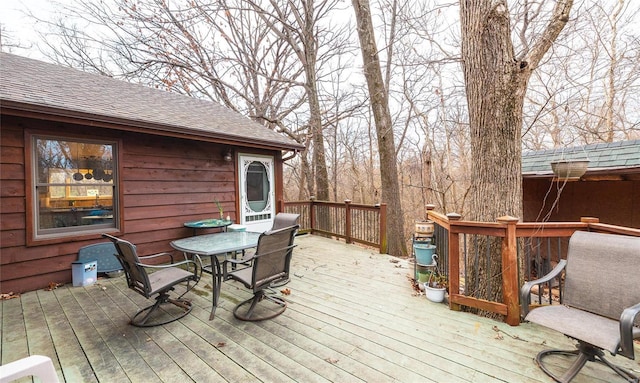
(601, 156)
(26, 83)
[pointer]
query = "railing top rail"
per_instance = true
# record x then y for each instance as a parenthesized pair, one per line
(351, 204)
(552, 225)
(435, 216)
(528, 229)
(613, 229)
(364, 207)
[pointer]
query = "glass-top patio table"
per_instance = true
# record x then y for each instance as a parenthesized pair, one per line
(213, 245)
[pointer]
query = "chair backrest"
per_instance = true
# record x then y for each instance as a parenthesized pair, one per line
(602, 273)
(273, 256)
(137, 277)
(283, 220)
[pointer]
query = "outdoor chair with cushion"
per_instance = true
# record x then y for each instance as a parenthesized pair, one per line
(270, 262)
(601, 301)
(282, 220)
(160, 282)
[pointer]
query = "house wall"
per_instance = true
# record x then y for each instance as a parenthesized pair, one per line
(613, 202)
(165, 181)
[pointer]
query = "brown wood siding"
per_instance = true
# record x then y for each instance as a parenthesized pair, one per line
(613, 202)
(164, 182)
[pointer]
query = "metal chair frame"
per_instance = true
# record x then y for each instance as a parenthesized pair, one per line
(601, 302)
(161, 282)
(271, 262)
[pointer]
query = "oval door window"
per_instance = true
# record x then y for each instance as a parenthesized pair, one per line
(257, 186)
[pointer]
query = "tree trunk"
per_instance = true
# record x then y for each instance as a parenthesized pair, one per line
(496, 83)
(384, 129)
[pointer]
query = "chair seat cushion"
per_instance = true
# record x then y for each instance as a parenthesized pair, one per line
(243, 275)
(581, 325)
(166, 278)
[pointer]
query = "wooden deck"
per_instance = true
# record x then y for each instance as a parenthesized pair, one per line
(352, 317)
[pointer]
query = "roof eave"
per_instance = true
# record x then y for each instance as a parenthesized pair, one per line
(620, 170)
(49, 113)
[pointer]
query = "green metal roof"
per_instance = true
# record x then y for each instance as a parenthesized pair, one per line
(602, 157)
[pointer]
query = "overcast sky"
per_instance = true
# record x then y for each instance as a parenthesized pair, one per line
(19, 29)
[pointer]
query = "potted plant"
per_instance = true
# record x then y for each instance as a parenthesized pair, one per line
(220, 210)
(569, 170)
(436, 287)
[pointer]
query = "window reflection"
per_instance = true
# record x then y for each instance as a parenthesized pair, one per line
(74, 185)
(257, 186)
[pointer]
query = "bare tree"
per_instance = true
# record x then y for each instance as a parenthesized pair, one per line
(265, 64)
(298, 23)
(384, 128)
(496, 82)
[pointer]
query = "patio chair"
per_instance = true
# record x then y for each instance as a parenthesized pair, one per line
(39, 366)
(601, 301)
(283, 220)
(269, 263)
(158, 283)
(280, 221)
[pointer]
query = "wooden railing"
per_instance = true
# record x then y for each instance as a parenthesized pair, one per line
(534, 246)
(366, 224)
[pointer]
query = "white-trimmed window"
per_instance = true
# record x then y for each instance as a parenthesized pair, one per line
(75, 186)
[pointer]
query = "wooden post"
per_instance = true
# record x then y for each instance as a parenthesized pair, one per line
(383, 228)
(510, 288)
(347, 212)
(454, 261)
(589, 220)
(312, 213)
(428, 208)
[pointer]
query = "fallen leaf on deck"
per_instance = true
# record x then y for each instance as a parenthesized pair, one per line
(393, 260)
(10, 295)
(331, 360)
(220, 344)
(53, 286)
(496, 329)
(285, 291)
(414, 284)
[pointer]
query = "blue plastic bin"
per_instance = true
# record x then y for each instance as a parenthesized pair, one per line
(84, 273)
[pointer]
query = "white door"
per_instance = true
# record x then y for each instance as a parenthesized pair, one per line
(257, 193)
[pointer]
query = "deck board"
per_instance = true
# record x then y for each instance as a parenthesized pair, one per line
(352, 317)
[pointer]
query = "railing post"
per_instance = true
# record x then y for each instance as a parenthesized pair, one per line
(454, 261)
(383, 228)
(428, 208)
(312, 212)
(347, 212)
(589, 220)
(510, 287)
